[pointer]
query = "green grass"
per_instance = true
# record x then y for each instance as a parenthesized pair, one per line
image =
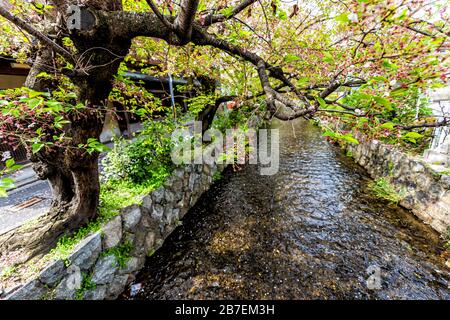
(113, 197)
(217, 176)
(382, 188)
(86, 285)
(121, 253)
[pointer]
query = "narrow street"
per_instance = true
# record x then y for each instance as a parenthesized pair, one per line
(11, 217)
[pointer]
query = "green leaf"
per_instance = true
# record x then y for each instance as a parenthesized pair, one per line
(349, 138)
(3, 193)
(302, 81)
(9, 163)
(291, 57)
(387, 125)
(34, 94)
(56, 105)
(413, 135)
(328, 57)
(384, 102)
(322, 102)
(227, 12)
(342, 18)
(282, 15)
(34, 103)
(398, 92)
(330, 134)
(389, 65)
(35, 148)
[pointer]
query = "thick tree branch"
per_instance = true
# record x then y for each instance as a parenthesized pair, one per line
(185, 19)
(160, 16)
(39, 35)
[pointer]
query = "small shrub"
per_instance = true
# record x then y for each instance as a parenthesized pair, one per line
(141, 160)
(382, 188)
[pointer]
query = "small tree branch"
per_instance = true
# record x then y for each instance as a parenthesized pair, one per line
(443, 123)
(215, 18)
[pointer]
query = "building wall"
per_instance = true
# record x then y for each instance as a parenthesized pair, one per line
(11, 81)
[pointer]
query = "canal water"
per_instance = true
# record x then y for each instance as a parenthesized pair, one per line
(312, 231)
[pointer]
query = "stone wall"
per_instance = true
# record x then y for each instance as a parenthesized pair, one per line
(426, 193)
(93, 271)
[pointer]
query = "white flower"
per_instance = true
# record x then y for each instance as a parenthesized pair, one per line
(353, 17)
(6, 155)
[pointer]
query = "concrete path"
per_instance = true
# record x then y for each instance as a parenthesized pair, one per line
(11, 217)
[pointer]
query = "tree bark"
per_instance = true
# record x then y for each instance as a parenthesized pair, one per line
(71, 171)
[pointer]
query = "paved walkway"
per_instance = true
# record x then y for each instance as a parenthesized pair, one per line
(11, 218)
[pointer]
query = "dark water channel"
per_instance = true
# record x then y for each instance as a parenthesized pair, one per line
(312, 231)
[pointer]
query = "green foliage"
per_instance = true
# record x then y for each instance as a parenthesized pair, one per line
(121, 253)
(66, 244)
(86, 285)
(8, 272)
(113, 197)
(336, 136)
(235, 118)
(150, 253)
(93, 145)
(386, 115)
(382, 188)
(134, 96)
(198, 103)
(217, 176)
(7, 183)
(144, 159)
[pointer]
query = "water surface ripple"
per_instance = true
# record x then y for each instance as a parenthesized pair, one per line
(309, 232)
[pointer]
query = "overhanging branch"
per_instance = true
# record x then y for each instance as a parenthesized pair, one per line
(39, 35)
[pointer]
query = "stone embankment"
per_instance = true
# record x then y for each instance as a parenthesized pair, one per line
(104, 263)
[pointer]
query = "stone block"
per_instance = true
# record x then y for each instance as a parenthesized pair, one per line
(104, 270)
(131, 218)
(32, 290)
(53, 273)
(112, 233)
(86, 252)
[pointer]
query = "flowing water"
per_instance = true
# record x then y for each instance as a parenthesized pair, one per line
(312, 231)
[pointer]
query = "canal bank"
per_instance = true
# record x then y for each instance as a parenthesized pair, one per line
(312, 231)
(417, 186)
